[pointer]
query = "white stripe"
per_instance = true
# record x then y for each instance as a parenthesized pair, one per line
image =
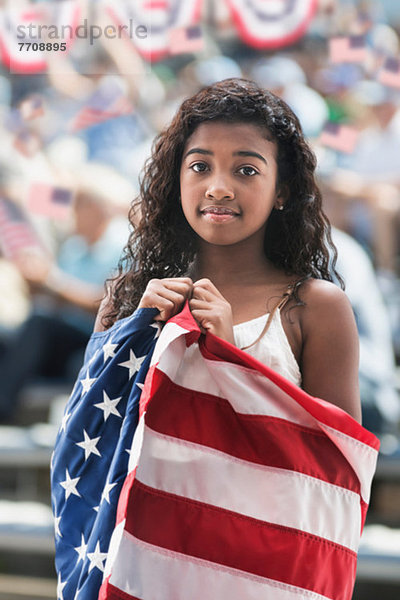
(114, 549)
(278, 496)
(249, 392)
(168, 335)
(151, 573)
(136, 445)
(272, 30)
(360, 456)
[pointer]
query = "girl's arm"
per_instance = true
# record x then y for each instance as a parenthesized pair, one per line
(330, 354)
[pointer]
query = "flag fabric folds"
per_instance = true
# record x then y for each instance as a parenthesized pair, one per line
(91, 454)
(271, 24)
(240, 484)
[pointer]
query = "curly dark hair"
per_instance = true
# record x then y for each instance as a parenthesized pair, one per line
(164, 245)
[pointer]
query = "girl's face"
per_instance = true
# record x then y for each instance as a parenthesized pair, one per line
(228, 182)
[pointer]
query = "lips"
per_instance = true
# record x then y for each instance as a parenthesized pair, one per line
(218, 214)
(219, 210)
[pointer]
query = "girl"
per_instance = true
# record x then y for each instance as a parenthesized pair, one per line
(232, 222)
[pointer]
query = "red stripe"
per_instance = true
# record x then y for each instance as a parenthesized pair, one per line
(224, 537)
(254, 40)
(210, 421)
(110, 592)
(124, 497)
(214, 348)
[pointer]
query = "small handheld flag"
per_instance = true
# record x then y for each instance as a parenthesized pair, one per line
(390, 73)
(339, 137)
(16, 232)
(186, 39)
(107, 102)
(50, 201)
(350, 49)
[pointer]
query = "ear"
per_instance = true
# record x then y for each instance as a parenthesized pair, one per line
(282, 194)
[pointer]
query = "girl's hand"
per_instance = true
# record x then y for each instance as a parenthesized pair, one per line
(168, 295)
(210, 309)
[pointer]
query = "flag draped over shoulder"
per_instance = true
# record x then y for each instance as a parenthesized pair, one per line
(91, 454)
(240, 484)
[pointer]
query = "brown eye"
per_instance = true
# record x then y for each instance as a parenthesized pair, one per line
(199, 167)
(248, 171)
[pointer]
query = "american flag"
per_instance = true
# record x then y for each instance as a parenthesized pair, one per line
(339, 137)
(50, 201)
(239, 484)
(107, 102)
(91, 454)
(16, 232)
(390, 72)
(186, 39)
(351, 49)
(264, 24)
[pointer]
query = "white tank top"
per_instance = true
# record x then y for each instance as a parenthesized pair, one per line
(272, 349)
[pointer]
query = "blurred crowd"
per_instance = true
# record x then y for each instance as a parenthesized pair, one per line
(52, 284)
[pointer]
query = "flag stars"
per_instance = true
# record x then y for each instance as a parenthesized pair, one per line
(70, 485)
(106, 492)
(57, 526)
(89, 445)
(108, 406)
(157, 327)
(81, 550)
(87, 383)
(133, 364)
(97, 558)
(60, 586)
(109, 350)
(64, 421)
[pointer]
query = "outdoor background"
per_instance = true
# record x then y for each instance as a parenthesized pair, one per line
(81, 100)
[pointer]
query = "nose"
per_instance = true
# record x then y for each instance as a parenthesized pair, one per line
(219, 188)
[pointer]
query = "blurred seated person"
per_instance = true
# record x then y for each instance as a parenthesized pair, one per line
(379, 398)
(66, 293)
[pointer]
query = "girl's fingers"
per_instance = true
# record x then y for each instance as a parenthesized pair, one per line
(199, 304)
(179, 284)
(167, 307)
(169, 298)
(206, 290)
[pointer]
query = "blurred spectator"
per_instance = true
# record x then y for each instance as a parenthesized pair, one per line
(66, 295)
(379, 398)
(377, 154)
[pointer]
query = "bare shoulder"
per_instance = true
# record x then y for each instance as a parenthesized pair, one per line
(319, 293)
(330, 346)
(323, 300)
